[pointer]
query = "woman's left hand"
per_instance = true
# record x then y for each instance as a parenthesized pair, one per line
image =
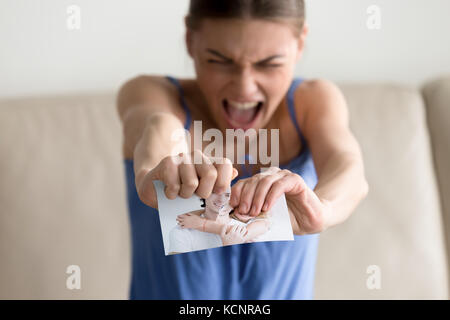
(261, 191)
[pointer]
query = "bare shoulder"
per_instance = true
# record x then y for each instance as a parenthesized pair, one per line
(319, 98)
(151, 91)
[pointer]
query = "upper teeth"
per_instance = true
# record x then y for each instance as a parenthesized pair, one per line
(243, 105)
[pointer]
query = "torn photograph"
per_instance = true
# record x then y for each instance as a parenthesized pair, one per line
(197, 224)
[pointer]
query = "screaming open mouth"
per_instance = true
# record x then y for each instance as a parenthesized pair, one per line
(241, 117)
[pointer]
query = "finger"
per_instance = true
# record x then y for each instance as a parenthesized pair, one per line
(170, 177)
(235, 174)
(144, 183)
(146, 190)
(262, 190)
(236, 191)
(224, 175)
(281, 186)
(189, 179)
(248, 191)
(207, 173)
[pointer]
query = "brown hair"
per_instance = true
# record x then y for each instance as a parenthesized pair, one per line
(291, 12)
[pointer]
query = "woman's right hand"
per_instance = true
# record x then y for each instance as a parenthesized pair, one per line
(235, 234)
(182, 176)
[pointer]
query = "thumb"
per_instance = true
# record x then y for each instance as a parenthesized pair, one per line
(235, 173)
(146, 190)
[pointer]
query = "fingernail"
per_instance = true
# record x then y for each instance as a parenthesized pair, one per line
(243, 208)
(265, 207)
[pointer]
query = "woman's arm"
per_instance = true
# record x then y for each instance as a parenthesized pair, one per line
(194, 221)
(149, 115)
(335, 151)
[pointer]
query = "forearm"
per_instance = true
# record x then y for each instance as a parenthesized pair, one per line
(149, 136)
(148, 121)
(134, 120)
(343, 185)
(211, 227)
(157, 142)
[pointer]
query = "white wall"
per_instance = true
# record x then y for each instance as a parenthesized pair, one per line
(120, 39)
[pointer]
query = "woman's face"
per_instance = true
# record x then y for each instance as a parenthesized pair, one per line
(244, 68)
(218, 202)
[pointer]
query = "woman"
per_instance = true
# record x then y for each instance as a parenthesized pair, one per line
(244, 54)
(216, 225)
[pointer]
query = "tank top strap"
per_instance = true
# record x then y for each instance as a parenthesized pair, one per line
(187, 123)
(291, 106)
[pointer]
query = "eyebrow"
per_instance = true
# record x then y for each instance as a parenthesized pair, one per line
(218, 54)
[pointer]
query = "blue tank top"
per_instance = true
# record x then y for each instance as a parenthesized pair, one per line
(263, 270)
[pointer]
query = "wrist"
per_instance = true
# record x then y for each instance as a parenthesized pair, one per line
(326, 214)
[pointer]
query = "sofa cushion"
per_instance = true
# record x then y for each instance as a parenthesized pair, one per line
(397, 228)
(63, 199)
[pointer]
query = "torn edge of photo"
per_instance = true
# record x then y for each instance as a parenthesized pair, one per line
(198, 224)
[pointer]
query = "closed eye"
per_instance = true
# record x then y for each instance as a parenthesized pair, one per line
(219, 62)
(263, 65)
(273, 65)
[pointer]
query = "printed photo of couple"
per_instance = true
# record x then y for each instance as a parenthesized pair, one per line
(198, 224)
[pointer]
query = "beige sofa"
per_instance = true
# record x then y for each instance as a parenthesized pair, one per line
(63, 200)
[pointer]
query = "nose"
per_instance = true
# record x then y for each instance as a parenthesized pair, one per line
(245, 83)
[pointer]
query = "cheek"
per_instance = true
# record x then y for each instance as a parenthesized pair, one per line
(276, 89)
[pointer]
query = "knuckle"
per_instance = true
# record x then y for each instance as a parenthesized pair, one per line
(265, 181)
(278, 183)
(168, 163)
(192, 183)
(175, 187)
(211, 173)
